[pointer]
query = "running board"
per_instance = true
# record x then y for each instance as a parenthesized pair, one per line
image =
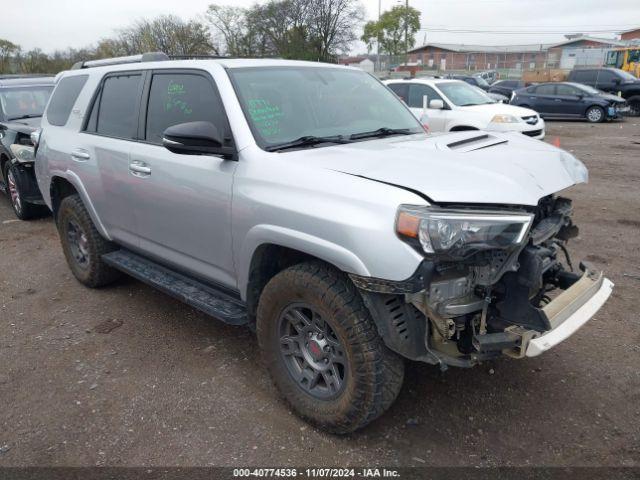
(205, 298)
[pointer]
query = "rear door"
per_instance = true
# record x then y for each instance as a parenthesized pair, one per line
(104, 148)
(183, 202)
(544, 101)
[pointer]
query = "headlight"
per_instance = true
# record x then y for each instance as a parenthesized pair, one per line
(505, 119)
(24, 153)
(458, 234)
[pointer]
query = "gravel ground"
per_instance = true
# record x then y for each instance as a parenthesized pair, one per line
(128, 376)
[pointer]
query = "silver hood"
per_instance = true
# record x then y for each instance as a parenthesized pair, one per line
(467, 167)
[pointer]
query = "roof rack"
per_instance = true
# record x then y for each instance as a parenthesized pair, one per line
(144, 57)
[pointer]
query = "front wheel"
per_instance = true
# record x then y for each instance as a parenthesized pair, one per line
(16, 180)
(323, 351)
(595, 114)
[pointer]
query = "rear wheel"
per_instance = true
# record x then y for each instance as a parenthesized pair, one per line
(83, 246)
(634, 106)
(595, 114)
(323, 351)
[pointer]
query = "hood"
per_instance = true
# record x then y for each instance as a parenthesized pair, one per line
(611, 98)
(501, 109)
(26, 125)
(472, 167)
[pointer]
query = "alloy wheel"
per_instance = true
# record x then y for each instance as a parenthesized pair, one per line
(14, 193)
(594, 115)
(312, 353)
(78, 243)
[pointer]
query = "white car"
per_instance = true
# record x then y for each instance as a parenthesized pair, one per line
(454, 105)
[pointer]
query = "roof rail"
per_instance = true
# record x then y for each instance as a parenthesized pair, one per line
(11, 76)
(144, 57)
(196, 57)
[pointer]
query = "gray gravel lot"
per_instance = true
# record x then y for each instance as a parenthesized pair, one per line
(126, 375)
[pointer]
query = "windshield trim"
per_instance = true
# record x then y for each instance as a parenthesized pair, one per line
(264, 145)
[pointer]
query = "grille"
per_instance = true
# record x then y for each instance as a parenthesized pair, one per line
(533, 133)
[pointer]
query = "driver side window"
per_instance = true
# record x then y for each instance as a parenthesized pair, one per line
(418, 91)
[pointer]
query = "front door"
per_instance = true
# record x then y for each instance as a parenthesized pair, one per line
(437, 117)
(183, 202)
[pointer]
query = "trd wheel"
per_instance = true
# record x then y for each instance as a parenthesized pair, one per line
(595, 114)
(83, 246)
(15, 179)
(323, 351)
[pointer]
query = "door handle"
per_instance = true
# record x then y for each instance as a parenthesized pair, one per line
(139, 169)
(557, 100)
(80, 155)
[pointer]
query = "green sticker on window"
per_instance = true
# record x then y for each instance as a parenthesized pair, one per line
(265, 116)
(174, 91)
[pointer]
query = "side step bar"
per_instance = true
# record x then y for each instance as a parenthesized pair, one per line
(192, 292)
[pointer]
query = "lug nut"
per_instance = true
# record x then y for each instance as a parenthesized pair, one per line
(327, 348)
(320, 336)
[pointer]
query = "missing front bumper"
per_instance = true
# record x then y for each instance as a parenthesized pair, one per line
(570, 310)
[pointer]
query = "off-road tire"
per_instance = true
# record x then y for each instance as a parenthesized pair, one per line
(13, 174)
(375, 373)
(96, 273)
(592, 117)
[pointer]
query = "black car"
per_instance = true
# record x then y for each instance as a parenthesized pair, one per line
(474, 80)
(570, 100)
(612, 80)
(506, 87)
(22, 102)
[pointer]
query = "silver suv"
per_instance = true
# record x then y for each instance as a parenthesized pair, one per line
(305, 200)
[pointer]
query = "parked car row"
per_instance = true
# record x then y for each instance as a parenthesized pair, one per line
(306, 201)
(454, 105)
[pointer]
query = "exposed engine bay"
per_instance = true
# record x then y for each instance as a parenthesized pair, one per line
(490, 304)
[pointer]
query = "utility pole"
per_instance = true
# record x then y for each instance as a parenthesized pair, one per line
(378, 39)
(406, 33)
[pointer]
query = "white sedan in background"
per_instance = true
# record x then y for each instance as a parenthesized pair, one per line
(453, 105)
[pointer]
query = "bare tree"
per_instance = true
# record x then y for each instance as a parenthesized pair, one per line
(7, 51)
(334, 24)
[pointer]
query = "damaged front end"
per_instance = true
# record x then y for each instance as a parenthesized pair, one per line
(493, 282)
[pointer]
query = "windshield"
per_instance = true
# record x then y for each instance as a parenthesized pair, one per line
(462, 94)
(283, 104)
(24, 102)
(481, 81)
(626, 75)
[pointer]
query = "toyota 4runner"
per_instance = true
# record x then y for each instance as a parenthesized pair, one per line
(306, 200)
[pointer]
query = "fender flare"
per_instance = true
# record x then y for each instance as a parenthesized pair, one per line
(325, 250)
(74, 180)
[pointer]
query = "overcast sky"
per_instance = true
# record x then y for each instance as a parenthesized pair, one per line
(57, 24)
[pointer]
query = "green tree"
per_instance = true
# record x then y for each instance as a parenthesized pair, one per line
(395, 30)
(7, 51)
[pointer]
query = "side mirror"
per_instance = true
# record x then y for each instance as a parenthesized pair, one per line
(436, 104)
(195, 138)
(617, 81)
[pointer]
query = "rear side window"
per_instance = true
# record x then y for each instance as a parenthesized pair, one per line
(400, 89)
(115, 110)
(63, 99)
(584, 76)
(177, 98)
(546, 90)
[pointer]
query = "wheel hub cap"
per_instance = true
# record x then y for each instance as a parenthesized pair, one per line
(311, 351)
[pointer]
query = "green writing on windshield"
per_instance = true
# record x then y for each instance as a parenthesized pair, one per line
(266, 116)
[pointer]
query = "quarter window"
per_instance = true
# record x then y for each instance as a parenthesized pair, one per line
(179, 98)
(115, 111)
(63, 99)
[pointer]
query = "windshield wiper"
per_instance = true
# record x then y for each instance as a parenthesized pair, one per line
(24, 117)
(306, 141)
(381, 132)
